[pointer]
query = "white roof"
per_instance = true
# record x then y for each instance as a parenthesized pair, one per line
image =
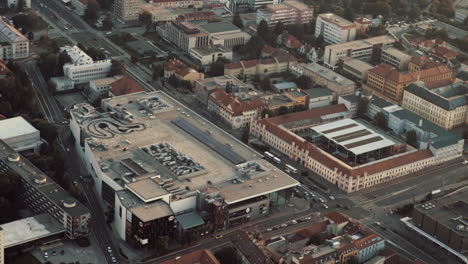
(78, 57)
(341, 132)
(15, 126)
(29, 229)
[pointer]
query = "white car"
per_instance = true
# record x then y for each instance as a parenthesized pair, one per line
(465, 162)
(284, 225)
(331, 197)
(109, 249)
(269, 229)
(325, 206)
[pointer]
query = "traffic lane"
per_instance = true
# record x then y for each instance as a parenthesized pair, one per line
(68, 15)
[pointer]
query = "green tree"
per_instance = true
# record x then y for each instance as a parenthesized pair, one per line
(63, 58)
(228, 255)
(279, 28)
(91, 11)
(245, 135)
(146, 18)
(265, 84)
(356, 5)
(380, 120)
(412, 138)
(107, 24)
(217, 67)
(264, 32)
(237, 20)
(414, 12)
(349, 13)
(20, 4)
(163, 244)
(283, 110)
(465, 134)
(303, 82)
(362, 107)
(117, 68)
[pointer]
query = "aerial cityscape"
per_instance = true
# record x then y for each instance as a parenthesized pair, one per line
(234, 131)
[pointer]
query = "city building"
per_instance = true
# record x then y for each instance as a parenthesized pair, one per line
(385, 80)
(202, 15)
(178, 3)
(181, 71)
(334, 29)
(288, 12)
(209, 54)
(99, 88)
(82, 67)
(62, 83)
(443, 54)
(362, 24)
(351, 153)
(14, 45)
(20, 135)
(126, 11)
(444, 219)
(124, 86)
(461, 11)
(158, 13)
(225, 34)
(279, 62)
(289, 41)
(421, 63)
(396, 58)
(320, 97)
(169, 172)
(325, 77)
(14, 3)
(230, 83)
(446, 106)
(351, 101)
(364, 49)
(235, 112)
(185, 35)
(293, 100)
(204, 256)
(42, 195)
(378, 105)
(246, 6)
(355, 68)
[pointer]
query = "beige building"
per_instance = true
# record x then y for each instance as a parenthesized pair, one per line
(364, 49)
(325, 77)
(396, 58)
(210, 54)
(126, 11)
(446, 106)
(13, 44)
(203, 88)
(360, 165)
(185, 35)
(181, 71)
(158, 13)
(356, 69)
(334, 29)
(236, 113)
(279, 62)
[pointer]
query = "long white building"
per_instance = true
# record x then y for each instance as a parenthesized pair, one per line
(334, 29)
(83, 68)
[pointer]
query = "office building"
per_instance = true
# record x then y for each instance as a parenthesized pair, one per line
(320, 97)
(364, 49)
(42, 195)
(444, 219)
(185, 35)
(209, 54)
(334, 29)
(99, 88)
(126, 11)
(225, 34)
(446, 106)
(82, 67)
(233, 111)
(356, 69)
(13, 44)
(288, 12)
(386, 80)
(169, 172)
(325, 77)
(396, 58)
(20, 135)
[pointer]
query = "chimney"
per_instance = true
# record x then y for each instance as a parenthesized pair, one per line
(420, 122)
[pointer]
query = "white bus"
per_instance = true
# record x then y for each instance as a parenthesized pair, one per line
(277, 160)
(291, 168)
(268, 154)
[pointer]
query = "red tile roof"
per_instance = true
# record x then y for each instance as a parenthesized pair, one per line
(177, 67)
(232, 104)
(444, 52)
(233, 65)
(268, 50)
(336, 217)
(439, 83)
(125, 86)
(391, 73)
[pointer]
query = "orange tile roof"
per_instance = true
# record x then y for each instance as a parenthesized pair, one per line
(336, 217)
(444, 52)
(233, 65)
(204, 256)
(391, 73)
(249, 63)
(124, 86)
(177, 67)
(424, 62)
(232, 104)
(313, 229)
(268, 50)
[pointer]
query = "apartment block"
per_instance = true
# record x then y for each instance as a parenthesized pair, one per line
(446, 106)
(126, 11)
(325, 77)
(365, 49)
(13, 44)
(388, 81)
(288, 12)
(82, 67)
(42, 195)
(396, 58)
(334, 29)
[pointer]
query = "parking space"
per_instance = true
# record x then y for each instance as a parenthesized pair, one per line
(67, 252)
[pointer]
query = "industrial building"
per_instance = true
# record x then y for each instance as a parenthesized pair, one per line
(169, 172)
(42, 195)
(334, 29)
(20, 135)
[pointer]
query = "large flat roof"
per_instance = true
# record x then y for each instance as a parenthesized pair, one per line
(219, 27)
(165, 139)
(353, 136)
(30, 229)
(328, 74)
(15, 127)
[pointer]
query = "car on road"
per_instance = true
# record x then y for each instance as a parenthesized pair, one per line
(269, 230)
(293, 222)
(325, 206)
(331, 197)
(109, 249)
(75, 183)
(218, 236)
(465, 162)
(46, 255)
(308, 218)
(284, 225)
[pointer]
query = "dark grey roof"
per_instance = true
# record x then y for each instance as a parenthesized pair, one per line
(380, 102)
(448, 97)
(318, 92)
(463, 76)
